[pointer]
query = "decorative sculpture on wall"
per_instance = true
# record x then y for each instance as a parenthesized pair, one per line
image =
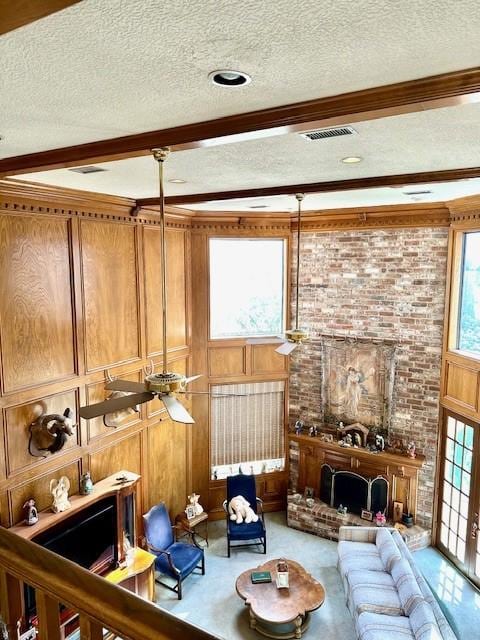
(357, 380)
(59, 490)
(49, 432)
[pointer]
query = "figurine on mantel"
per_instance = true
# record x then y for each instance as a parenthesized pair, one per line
(298, 427)
(59, 490)
(411, 449)
(31, 513)
(86, 484)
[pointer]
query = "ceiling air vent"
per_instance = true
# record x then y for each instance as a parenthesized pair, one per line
(87, 169)
(329, 132)
(417, 193)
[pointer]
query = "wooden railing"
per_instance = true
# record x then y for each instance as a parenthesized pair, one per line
(99, 604)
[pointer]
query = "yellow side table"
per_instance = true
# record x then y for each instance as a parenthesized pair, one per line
(137, 576)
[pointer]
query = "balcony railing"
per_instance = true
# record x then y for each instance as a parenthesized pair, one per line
(102, 607)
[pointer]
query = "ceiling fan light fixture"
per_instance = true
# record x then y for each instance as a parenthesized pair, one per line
(229, 78)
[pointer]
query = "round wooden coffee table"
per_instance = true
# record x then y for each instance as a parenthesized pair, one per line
(281, 613)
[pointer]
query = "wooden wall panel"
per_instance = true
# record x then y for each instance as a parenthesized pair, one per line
(125, 454)
(226, 361)
(96, 392)
(462, 385)
(176, 289)
(36, 315)
(39, 489)
(266, 360)
(17, 422)
(110, 293)
(167, 469)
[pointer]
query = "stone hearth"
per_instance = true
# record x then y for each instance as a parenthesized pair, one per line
(324, 521)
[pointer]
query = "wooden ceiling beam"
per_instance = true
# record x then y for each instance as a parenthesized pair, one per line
(22, 12)
(398, 180)
(450, 89)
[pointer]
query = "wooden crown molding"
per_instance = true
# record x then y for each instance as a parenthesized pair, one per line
(398, 180)
(443, 90)
(28, 197)
(18, 14)
(465, 212)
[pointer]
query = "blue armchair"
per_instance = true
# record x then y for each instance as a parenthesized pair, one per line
(174, 559)
(243, 485)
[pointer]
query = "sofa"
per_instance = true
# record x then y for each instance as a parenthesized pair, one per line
(387, 595)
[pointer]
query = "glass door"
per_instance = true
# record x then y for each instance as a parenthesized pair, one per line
(459, 536)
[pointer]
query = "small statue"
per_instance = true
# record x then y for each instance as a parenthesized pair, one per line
(379, 442)
(252, 471)
(313, 431)
(86, 484)
(49, 432)
(31, 513)
(357, 440)
(411, 449)
(298, 427)
(341, 510)
(348, 440)
(264, 467)
(215, 474)
(59, 490)
(193, 500)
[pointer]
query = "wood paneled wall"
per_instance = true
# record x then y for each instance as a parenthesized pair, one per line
(80, 295)
(460, 371)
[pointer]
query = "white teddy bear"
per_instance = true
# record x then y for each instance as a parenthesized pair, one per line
(240, 510)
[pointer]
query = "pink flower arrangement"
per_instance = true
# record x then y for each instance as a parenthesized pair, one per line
(380, 519)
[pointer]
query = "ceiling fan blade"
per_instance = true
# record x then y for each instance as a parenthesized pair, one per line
(192, 378)
(176, 410)
(276, 340)
(286, 348)
(116, 404)
(126, 385)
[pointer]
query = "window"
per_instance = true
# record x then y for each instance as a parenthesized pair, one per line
(247, 283)
(247, 430)
(469, 316)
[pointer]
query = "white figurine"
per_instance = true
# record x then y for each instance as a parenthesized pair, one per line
(193, 500)
(59, 490)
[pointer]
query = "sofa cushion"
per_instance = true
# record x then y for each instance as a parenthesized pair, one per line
(387, 548)
(375, 626)
(346, 547)
(406, 583)
(423, 622)
(376, 598)
(361, 578)
(360, 562)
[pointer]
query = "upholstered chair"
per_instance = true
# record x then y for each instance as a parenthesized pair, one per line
(174, 559)
(244, 485)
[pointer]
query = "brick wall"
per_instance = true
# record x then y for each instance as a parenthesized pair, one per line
(386, 284)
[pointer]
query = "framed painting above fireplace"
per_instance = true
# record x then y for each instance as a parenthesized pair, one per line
(357, 381)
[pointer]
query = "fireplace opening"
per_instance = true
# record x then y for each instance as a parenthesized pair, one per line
(353, 491)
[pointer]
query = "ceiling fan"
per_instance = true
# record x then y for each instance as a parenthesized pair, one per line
(165, 385)
(293, 337)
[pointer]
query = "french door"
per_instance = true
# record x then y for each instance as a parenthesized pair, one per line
(458, 518)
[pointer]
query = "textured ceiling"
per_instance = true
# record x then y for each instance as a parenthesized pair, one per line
(440, 139)
(103, 69)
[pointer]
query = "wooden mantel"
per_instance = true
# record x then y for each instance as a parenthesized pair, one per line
(399, 470)
(107, 487)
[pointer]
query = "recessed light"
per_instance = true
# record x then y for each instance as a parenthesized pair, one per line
(229, 78)
(177, 181)
(352, 159)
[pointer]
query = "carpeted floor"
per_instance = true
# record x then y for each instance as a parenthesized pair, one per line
(211, 601)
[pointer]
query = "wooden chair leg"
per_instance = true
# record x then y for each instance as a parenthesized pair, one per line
(264, 545)
(179, 589)
(203, 564)
(228, 544)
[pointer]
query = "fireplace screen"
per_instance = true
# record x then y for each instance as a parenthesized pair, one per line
(353, 490)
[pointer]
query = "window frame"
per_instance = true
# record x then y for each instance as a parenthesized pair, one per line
(455, 287)
(285, 284)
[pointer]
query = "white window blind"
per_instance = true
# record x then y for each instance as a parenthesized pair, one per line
(247, 429)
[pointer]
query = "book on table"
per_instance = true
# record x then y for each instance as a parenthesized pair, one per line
(261, 576)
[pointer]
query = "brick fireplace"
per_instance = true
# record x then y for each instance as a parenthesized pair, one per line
(380, 480)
